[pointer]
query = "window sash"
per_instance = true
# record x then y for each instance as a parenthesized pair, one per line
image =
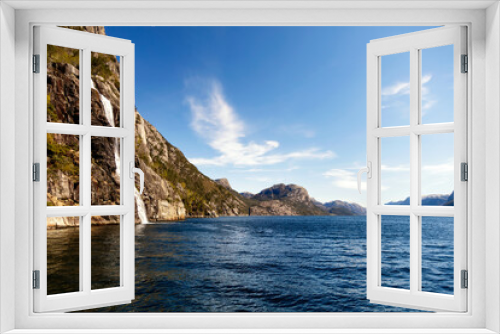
(413, 43)
(86, 298)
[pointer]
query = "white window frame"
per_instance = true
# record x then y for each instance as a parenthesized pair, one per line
(413, 43)
(86, 43)
(484, 147)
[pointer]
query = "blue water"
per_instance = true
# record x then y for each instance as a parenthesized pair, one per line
(273, 264)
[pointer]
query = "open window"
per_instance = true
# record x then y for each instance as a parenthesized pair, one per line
(403, 142)
(77, 117)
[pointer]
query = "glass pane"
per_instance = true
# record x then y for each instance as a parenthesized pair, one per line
(437, 169)
(437, 254)
(105, 252)
(63, 85)
(105, 171)
(395, 252)
(105, 85)
(437, 84)
(63, 255)
(63, 170)
(395, 80)
(395, 170)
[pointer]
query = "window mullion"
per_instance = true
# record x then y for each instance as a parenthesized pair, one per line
(85, 172)
(414, 170)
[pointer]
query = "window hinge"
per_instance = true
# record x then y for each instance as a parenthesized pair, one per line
(36, 279)
(36, 63)
(465, 64)
(36, 172)
(464, 171)
(465, 279)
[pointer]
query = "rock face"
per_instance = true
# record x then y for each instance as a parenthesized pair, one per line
(224, 182)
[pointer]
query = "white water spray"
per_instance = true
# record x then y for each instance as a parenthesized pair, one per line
(108, 112)
(141, 207)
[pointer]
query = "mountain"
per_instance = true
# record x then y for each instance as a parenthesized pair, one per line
(430, 200)
(224, 182)
(294, 200)
(246, 194)
(342, 208)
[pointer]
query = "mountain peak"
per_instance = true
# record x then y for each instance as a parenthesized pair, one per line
(224, 182)
(291, 192)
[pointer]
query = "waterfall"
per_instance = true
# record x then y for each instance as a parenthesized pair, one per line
(141, 207)
(108, 112)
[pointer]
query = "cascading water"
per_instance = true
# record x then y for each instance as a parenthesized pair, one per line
(141, 207)
(108, 112)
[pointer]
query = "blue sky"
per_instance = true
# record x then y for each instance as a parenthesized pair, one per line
(267, 105)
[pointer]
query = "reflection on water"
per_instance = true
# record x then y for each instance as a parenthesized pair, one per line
(257, 264)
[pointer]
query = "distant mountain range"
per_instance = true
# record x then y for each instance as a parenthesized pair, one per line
(430, 200)
(293, 200)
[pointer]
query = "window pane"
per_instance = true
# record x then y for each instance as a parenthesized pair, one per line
(63, 85)
(105, 252)
(63, 170)
(395, 170)
(105, 171)
(105, 85)
(63, 255)
(437, 169)
(437, 84)
(395, 252)
(395, 80)
(437, 254)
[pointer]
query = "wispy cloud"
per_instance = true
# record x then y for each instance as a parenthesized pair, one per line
(395, 168)
(215, 119)
(403, 88)
(264, 170)
(343, 178)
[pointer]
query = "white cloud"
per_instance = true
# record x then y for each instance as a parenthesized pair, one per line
(343, 178)
(445, 168)
(403, 88)
(395, 168)
(215, 120)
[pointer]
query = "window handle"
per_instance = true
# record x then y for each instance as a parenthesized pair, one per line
(133, 170)
(368, 171)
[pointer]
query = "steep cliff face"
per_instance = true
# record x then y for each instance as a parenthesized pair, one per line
(174, 188)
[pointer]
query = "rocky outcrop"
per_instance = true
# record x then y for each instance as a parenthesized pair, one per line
(224, 182)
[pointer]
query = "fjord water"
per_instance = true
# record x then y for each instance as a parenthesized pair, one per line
(269, 264)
